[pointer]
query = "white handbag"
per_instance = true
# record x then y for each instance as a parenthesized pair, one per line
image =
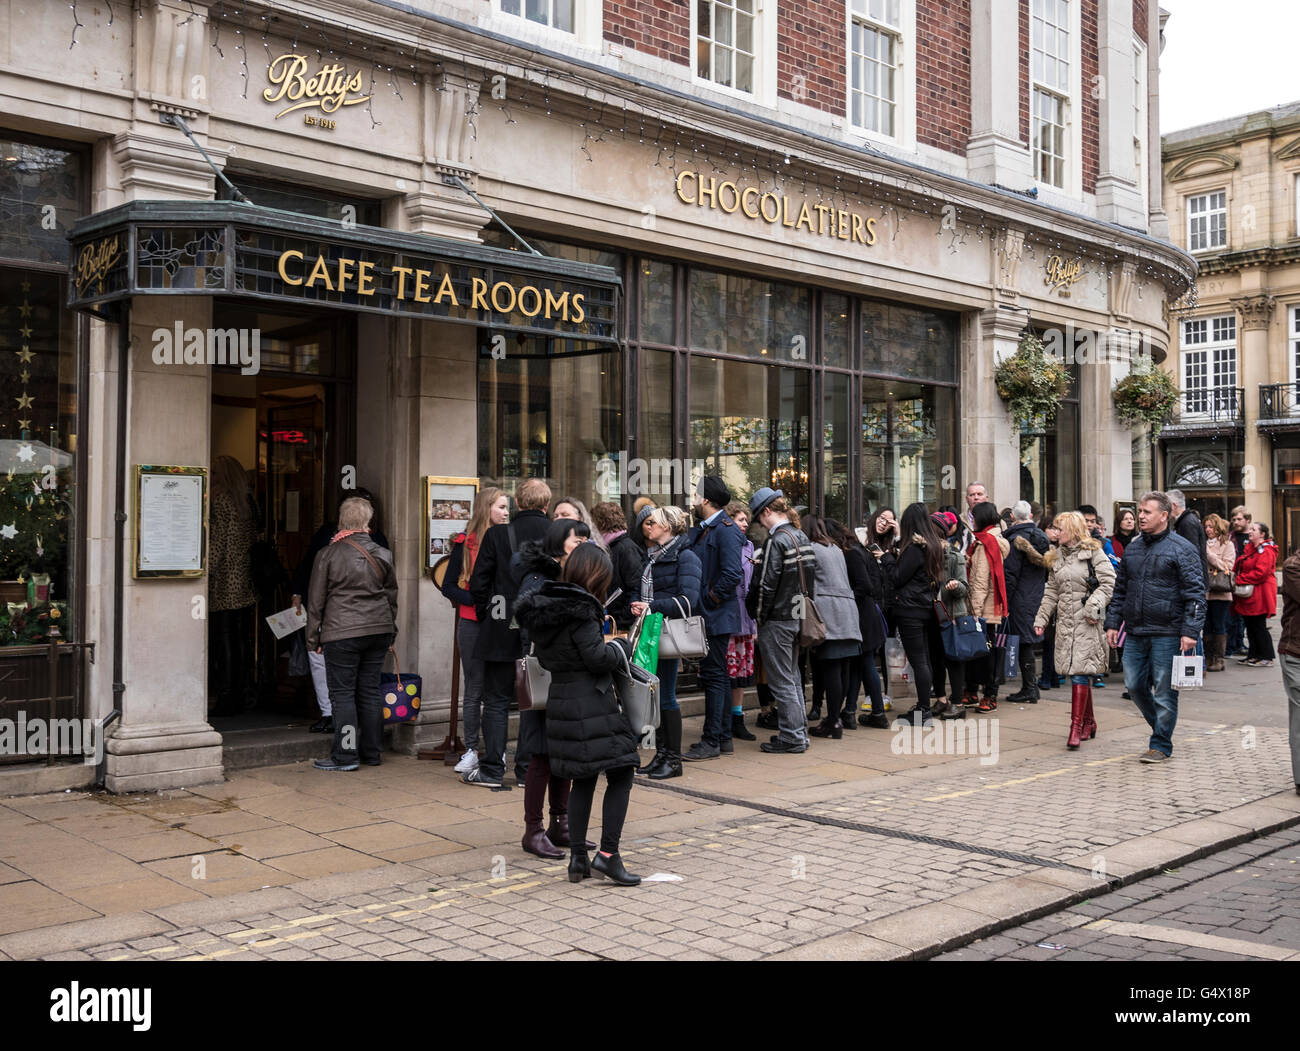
(684, 636)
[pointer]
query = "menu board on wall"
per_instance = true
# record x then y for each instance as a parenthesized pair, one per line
(448, 503)
(170, 521)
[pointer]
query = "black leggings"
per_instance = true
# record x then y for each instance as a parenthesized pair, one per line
(834, 675)
(618, 790)
(1261, 642)
(914, 633)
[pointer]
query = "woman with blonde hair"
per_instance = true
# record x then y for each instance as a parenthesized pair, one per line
(1221, 553)
(1080, 582)
(670, 584)
(572, 507)
(491, 507)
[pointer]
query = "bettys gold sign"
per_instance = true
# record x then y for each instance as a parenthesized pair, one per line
(1061, 275)
(94, 262)
(772, 208)
(329, 89)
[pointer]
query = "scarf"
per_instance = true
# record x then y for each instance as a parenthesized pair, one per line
(989, 541)
(609, 538)
(647, 574)
(346, 532)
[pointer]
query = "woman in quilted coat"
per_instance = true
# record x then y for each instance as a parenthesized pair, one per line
(1080, 581)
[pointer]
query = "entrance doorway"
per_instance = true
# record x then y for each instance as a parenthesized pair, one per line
(290, 429)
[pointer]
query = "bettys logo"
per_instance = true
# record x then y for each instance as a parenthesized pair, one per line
(1060, 275)
(329, 89)
(94, 262)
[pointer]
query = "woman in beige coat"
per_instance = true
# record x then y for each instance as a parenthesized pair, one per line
(1080, 581)
(988, 599)
(1221, 553)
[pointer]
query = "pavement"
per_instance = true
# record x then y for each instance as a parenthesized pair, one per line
(877, 846)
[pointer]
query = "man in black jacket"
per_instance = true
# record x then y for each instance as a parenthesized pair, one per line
(494, 592)
(1160, 597)
(1241, 519)
(1187, 524)
(1026, 577)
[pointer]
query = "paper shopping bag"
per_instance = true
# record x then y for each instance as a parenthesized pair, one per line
(1189, 671)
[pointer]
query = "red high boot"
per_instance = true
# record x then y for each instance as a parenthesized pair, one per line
(1078, 704)
(1088, 726)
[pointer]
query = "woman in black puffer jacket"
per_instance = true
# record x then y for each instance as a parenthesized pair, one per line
(913, 575)
(586, 731)
(536, 562)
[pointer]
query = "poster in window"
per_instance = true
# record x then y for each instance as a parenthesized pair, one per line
(448, 503)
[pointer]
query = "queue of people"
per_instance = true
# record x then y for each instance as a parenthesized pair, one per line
(776, 588)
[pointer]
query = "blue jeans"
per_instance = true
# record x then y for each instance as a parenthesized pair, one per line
(1148, 672)
(717, 692)
(1236, 632)
(667, 672)
(1216, 617)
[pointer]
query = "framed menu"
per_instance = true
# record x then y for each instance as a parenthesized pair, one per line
(448, 503)
(170, 521)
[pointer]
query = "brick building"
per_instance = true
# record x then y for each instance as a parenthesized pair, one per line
(784, 242)
(1233, 189)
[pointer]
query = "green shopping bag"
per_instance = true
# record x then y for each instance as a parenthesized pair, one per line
(646, 654)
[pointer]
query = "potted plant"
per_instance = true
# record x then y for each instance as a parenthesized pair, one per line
(1033, 383)
(1147, 395)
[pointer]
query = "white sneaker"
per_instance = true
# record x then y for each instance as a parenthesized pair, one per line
(468, 762)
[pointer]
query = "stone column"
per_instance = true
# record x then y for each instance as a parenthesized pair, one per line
(989, 438)
(994, 151)
(1254, 313)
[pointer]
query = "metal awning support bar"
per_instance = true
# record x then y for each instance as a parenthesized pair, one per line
(177, 121)
(456, 180)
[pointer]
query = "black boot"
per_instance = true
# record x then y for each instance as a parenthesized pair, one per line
(579, 866)
(670, 729)
(611, 868)
(766, 720)
(658, 757)
(1028, 692)
(738, 730)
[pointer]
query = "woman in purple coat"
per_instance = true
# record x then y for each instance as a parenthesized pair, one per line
(740, 647)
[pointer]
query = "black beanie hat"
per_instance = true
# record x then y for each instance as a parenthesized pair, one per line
(715, 490)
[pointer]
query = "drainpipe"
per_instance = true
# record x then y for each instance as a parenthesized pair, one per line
(119, 525)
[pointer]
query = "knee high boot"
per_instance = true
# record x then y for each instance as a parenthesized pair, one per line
(1215, 647)
(1088, 725)
(1078, 705)
(536, 780)
(670, 731)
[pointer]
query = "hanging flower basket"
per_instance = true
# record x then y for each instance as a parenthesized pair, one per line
(1147, 395)
(1032, 382)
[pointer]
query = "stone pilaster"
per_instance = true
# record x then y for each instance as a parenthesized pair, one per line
(439, 207)
(994, 152)
(989, 439)
(1254, 313)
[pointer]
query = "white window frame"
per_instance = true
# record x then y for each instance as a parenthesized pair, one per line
(1208, 347)
(1296, 198)
(1293, 338)
(764, 42)
(904, 74)
(588, 24)
(1207, 214)
(1072, 167)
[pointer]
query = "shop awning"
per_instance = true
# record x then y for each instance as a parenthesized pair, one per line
(222, 248)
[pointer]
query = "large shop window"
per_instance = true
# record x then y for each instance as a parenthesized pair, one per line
(750, 424)
(731, 314)
(41, 194)
(1049, 458)
(550, 415)
(907, 443)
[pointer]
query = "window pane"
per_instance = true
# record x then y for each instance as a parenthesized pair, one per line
(835, 441)
(703, 50)
(749, 423)
(722, 26)
(510, 7)
(836, 350)
(32, 177)
(564, 15)
(535, 11)
(657, 309)
(38, 378)
(655, 438)
(744, 73)
(900, 340)
(722, 65)
(908, 436)
(745, 34)
(549, 417)
(702, 18)
(742, 315)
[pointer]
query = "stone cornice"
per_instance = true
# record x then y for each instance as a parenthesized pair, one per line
(583, 82)
(1227, 262)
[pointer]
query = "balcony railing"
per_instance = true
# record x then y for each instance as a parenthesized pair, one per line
(1279, 401)
(1207, 408)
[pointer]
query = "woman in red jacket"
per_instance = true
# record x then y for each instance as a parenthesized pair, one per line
(1255, 568)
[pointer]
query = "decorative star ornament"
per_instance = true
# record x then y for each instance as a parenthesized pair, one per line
(9, 532)
(25, 332)
(24, 355)
(24, 401)
(26, 453)
(24, 425)
(25, 376)
(24, 310)
(26, 286)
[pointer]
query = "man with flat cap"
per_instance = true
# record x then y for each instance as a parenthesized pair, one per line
(717, 541)
(775, 604)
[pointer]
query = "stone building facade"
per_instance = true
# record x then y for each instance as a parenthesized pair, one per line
(807, 233)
